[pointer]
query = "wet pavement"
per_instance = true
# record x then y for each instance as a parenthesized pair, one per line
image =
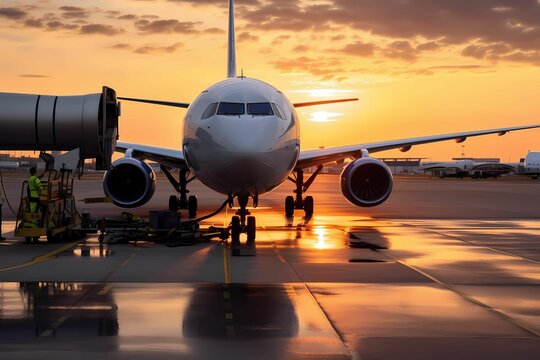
(341, 285)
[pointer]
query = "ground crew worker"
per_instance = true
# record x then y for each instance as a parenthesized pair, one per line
(34, 189)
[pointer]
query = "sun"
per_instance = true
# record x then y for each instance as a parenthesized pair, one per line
(324, 116)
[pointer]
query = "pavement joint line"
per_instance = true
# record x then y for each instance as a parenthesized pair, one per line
(467, 297)
(473, 243)
(42, 258)
(103, 291)
(353, 355)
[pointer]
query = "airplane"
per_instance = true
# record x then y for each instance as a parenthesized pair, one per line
(530, 165)
(468, 168)
(241, 138)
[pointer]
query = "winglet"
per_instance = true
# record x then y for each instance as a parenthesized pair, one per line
(231, 60)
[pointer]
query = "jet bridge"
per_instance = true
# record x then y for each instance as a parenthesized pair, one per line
(46, 123)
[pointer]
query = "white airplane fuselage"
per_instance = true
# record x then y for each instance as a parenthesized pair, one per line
(241, 136)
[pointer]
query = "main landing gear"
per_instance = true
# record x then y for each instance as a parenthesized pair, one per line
(183, 201)
(298, 202)
(242, 222)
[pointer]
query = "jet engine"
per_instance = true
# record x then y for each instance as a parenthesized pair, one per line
(130, 182)
(366, 182)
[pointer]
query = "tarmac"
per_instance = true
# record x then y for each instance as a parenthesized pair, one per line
(445, 269)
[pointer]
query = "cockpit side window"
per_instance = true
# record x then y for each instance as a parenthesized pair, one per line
(227, 108)
(278, 111)
(210, 111)
(260, 109)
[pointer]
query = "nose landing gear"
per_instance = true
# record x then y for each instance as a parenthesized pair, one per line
(183, 201)
(242, 222)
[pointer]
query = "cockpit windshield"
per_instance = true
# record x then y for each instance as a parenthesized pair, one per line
(259, 109)
(210, 111)
(227, 108)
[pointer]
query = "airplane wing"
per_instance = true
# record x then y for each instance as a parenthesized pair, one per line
(168, 157)
(323, 102)
(156, 102)
(315, 157)
(186, 105)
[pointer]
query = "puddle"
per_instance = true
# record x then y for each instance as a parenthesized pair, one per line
(368, 240)
(91, 251)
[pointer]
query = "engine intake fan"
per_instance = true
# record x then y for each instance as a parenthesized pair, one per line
(366, 182)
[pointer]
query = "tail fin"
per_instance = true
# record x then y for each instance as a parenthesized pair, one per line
(231, 61)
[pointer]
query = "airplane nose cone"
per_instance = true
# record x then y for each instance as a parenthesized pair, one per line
(246, 170)
(249, 135)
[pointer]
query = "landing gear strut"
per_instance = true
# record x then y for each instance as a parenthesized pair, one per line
(298, 202)
(183, 201)
(242, 222)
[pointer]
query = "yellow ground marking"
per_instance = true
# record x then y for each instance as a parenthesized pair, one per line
(53, 327)
(128, 260)
(105, 289)
(230, 332)
(226, 266)
(290, 290)
(42, 258)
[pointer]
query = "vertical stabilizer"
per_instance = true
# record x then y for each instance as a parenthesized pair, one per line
(231, 60)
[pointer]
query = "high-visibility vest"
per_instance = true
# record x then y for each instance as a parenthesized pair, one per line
(34, 188)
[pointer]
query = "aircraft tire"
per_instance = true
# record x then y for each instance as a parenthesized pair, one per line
(173, 203)
(308, 206)
(235, 230)
(192, 206)
(251, 229)
(289, 206)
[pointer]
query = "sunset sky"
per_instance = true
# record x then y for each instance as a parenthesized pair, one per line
(419, 67)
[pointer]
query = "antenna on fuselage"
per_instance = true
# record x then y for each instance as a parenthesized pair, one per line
(231, 60)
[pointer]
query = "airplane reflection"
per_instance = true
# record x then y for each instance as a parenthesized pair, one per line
(207, 312)
(240, 312)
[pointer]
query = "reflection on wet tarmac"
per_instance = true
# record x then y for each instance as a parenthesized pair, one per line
(456, 261)
(55, 309)
(389, 310)
(98, 251)
(374, 279)
(185, 319)
(257, 311)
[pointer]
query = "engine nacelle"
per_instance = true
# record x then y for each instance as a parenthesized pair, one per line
(130, 182)
(366, 182)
